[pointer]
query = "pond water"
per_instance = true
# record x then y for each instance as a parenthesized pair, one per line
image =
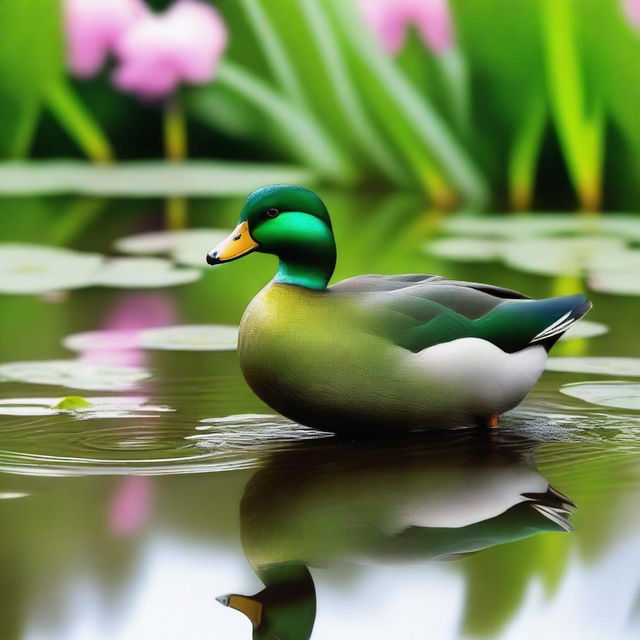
(140, 478)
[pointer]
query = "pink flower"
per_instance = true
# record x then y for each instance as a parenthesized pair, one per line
(94, 27)
(160, 51)
(632, 9)
(390, 21)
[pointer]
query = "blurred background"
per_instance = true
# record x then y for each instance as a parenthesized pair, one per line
(495, 104)
(488, 140)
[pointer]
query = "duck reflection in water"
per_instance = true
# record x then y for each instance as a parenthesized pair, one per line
(431, 497)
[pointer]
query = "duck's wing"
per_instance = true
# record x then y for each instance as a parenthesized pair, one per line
(418, 311)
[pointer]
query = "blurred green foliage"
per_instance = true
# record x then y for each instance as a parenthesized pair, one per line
(535, 106)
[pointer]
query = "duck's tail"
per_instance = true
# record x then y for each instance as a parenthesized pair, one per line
(551, 334)
(517, 324)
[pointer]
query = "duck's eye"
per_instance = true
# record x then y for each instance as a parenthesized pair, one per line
(272, 213)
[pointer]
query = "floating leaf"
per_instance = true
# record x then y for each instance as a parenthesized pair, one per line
(618, 394)
(26, 268)
(82, 408)
(625, 284)
(559, 256)
(608, 366)
(187, 247)
(196, 337)
(623, 261)
(74, 374)
(584, 329)
(145, 179)
(466, 249)
(200, 337)
(104, 340)
(134, 273)
(543, 224)
(72, 403)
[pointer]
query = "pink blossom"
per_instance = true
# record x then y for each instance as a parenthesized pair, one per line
(130, 505)
(160, 51)
(632, 9)
(391, 19)
(93, 28)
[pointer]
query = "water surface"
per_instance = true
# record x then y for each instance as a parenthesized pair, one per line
(126, 521)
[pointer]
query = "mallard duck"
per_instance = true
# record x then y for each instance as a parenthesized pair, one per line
(379, 352)
(427, 498)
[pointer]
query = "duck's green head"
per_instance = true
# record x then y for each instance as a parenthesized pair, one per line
(285, 609)
(290, 222)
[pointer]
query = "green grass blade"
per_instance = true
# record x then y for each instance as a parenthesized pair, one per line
(275, 53)
(456, 76)
(78, 121)
(346, 96)
(429, 127)
(580, 133)
(524, 155)
(304, 135)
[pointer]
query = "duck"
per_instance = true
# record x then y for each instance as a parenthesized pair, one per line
(439, 496)
(379, 353)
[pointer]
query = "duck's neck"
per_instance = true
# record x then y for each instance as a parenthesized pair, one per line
(311, 269)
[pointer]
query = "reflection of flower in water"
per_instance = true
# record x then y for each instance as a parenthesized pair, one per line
(130, 505)
(391, 19)
(118, 343)
(93, 29)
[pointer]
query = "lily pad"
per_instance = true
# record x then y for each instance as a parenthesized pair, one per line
(194, 337)
(608, 366)
(73, 374)
(543, 224)
(104, 340)
(585, 329)
(134, 273)
(145, 179)
(466, 249)
(623, 261)
(99, 407)
(29, 269)
(187, 247)
(559, 256)
(624, 284)
(198, 337)
(617, 394)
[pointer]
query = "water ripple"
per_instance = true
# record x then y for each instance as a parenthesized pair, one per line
(188, 441)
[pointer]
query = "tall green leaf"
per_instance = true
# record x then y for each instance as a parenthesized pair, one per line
(30, 61)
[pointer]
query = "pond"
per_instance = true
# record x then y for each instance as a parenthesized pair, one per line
(140, 478)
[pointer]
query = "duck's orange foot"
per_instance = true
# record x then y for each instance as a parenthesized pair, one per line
(492, 421)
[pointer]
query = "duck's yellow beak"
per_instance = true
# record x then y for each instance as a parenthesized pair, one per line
(238, 243)
(250, 607)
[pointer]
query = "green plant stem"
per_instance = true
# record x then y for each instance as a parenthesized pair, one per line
(175, 144)
(524, 155)
(78, 122)
(580, 131)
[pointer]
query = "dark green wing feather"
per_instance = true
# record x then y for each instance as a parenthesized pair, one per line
(419, 311)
